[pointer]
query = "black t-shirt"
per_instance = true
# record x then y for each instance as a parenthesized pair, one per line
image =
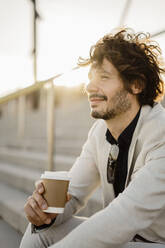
(123, 142)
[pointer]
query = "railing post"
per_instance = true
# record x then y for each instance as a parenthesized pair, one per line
(50, 125)
(21, 116)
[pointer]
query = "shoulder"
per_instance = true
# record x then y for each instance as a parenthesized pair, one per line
(151, 126)
(157, 113)
(153, 118)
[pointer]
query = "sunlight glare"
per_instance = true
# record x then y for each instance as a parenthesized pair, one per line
(73, 78)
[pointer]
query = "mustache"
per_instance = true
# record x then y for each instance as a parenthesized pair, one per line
(98, 96)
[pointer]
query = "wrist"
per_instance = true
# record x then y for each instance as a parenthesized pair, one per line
(44, 226)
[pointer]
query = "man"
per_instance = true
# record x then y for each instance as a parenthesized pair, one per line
(124, 153)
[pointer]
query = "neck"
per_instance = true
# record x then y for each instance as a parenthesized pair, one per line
(117, 125)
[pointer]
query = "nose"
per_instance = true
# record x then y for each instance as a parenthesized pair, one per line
(92, 86)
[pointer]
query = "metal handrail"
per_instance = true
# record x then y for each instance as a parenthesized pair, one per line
(20, 94)
(27, 90)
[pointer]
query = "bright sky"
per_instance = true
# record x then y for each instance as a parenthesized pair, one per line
(66, 31)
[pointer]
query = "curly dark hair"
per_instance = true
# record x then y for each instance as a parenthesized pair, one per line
(137, 59)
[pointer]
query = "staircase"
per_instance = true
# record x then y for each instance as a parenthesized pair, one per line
(22, 160)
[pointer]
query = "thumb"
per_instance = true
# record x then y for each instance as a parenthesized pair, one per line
(68, 197)
(39, 187)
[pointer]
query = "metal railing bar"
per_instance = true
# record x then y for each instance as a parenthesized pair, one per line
(27, 90)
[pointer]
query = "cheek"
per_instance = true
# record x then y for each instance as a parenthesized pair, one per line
(113, 96)
(111, 93)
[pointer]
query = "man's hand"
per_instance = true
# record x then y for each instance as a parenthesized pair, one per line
(35, 205)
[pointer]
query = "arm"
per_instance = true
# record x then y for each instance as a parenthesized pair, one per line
(132, 211)
(84, 179)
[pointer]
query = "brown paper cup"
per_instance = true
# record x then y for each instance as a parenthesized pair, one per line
(56, 188)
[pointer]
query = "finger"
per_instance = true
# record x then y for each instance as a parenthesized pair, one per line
(31, 215)
(39, 187)
(40, 200)
(39, 213)
(52, 216)
(68, 197)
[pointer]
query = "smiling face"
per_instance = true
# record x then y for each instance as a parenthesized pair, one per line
(106, 93)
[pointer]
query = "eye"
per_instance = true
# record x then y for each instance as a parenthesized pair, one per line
(104, 77)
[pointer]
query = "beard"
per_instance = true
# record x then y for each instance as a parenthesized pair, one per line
(120, 104)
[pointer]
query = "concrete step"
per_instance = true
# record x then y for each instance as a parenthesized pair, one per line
(66, 147)
(7, 231)
(12, 202)
(41, 125)
(11, 207)
(36, 132)
(35, 160)
(73, 123)
(19, 177)
(64, 116)
(24, 179)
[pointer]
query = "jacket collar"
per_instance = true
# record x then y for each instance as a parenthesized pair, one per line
(145, 110)
(125, 137)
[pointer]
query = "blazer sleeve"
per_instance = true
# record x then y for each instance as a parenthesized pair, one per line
(132, 211)
(85, 178)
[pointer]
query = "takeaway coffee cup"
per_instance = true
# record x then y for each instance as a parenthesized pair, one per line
(56, 187)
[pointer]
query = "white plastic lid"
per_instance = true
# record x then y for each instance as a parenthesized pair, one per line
(59, 175)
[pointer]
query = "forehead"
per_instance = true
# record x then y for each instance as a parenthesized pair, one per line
(106, 67)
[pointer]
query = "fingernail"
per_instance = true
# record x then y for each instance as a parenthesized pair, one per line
(40, 190)
(44, 205)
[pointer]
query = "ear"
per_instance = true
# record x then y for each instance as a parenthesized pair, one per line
(137, 87)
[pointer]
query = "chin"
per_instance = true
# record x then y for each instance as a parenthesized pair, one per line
(103, 115)
(97, 115)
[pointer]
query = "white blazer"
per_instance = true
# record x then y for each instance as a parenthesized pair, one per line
(140, 209)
